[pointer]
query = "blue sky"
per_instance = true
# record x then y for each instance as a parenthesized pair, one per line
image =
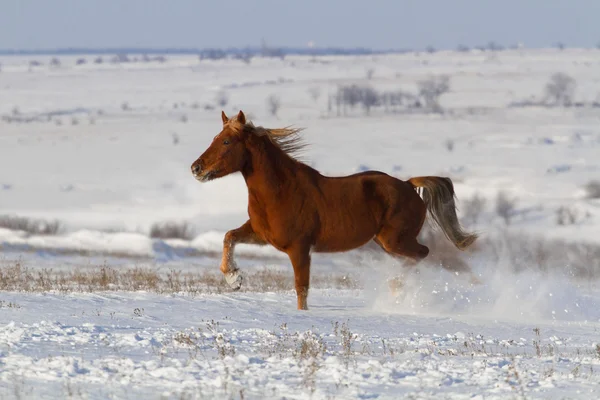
(48, 24)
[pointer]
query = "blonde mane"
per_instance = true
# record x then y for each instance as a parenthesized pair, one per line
(288, 139)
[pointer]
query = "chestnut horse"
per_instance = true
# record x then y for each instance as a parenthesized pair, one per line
(297, 210)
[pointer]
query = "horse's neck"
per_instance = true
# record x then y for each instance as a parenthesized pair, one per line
(269, 172)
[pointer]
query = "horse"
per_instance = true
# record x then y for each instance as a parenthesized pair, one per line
(297, 210)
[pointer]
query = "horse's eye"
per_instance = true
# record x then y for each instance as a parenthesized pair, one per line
(226, 141)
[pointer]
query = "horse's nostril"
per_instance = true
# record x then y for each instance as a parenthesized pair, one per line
(195, 169)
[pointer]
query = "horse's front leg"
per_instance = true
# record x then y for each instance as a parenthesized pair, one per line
(300, 258)
(243, 234)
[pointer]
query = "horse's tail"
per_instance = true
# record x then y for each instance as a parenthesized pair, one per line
(438, 195)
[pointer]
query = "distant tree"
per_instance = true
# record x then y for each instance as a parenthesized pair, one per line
(370, 99)
(55, 62)
(212, 54)
(98, 60)
(560, 45)
(222, 98)
(430, 49)
(472, 209)
(350, 96)
(273, 104)
(560, 90)
(245, 57)
(493, 46)
(505, 206)
(80, 61)
(462, 48)
(314, 92)
(120, 58)
(430, 90)
(592, 189)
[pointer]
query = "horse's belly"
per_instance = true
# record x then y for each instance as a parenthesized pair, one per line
(343, 239)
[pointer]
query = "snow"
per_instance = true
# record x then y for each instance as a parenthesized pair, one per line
(108, 172)
(133, 345)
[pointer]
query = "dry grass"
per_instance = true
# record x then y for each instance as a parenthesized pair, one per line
(592, 190)
(505, 206)
(31, 226)
(172, 230)
(17, 277)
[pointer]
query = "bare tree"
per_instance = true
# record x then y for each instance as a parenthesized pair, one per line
(314, 93)
(349, 95)
(369, 98)
(592, 189)
(505, 206)
(430, 90)
(222, 98)
(273, 104)
(55, 62)
(560, 89)
(493, 46)
(566, 216)
(33, 64)
(245, 57)
(172, 230)
(472, 209)
(120, 58)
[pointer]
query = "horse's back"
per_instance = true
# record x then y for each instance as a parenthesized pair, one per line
(352, 209)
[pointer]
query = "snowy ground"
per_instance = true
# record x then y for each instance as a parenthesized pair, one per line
(349, 345)
(108, 151)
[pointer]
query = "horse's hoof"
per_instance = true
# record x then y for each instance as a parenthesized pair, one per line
(234, 279)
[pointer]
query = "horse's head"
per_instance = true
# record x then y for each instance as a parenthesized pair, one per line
(226, 154)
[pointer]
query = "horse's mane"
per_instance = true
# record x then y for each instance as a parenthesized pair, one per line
(287, 139)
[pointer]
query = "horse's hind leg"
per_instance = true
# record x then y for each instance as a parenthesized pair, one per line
(404, 245)
(410, 249)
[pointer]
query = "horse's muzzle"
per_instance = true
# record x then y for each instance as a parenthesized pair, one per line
(196, 169)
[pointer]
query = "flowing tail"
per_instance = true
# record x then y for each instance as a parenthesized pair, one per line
(438, 195)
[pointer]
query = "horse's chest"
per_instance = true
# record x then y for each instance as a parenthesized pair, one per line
(271, 224)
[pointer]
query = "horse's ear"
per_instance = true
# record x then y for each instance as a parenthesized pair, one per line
(224, 117)
(241, 118)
